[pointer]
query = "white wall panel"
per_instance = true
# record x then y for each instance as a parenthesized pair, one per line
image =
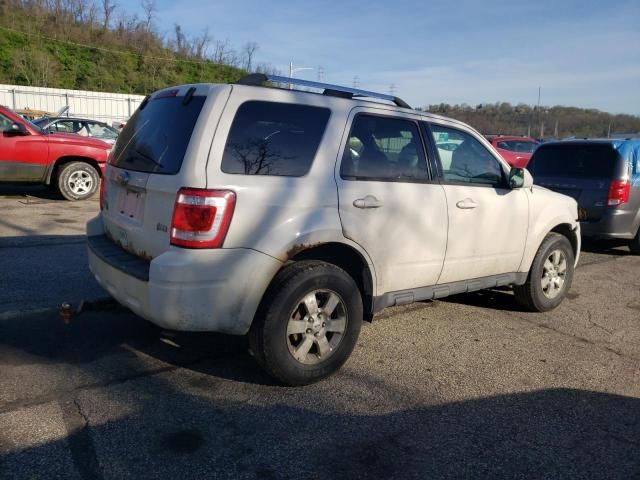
(108, 107)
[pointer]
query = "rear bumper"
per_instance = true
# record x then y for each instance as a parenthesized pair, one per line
(191, 290)
(615, 223)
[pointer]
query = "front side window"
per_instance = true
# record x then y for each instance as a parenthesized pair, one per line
(5, 123)
(383, 148)
(268, 138)
(464, 159)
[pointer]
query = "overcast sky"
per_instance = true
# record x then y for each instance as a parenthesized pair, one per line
(582, 53)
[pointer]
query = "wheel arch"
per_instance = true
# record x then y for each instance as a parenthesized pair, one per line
(568, 231)
(345, 257)
(62, 161)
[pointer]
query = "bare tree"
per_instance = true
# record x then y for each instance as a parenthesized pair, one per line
(248, 51)
(107, 12)
(149, 8)
(223, 53)
(201, 43)
(181, 42)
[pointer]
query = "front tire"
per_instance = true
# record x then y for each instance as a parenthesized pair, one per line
(550, 276)
(308, 324)
(77, 181)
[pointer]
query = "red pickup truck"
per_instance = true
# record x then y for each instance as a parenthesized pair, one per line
(71, 163)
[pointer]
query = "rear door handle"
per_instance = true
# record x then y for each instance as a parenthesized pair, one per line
(367, 202)
(467, 203)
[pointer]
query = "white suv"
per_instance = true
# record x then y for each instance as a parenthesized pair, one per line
(293, 215)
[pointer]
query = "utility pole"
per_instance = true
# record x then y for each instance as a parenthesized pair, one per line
(294, 70)
(538, 111)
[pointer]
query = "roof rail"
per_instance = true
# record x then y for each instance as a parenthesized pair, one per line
(257, 79)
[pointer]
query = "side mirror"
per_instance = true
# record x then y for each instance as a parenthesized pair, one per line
(16, 129)
(520, 178)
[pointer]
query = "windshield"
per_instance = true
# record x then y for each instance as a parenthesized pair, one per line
(155, 139)
(574, 161)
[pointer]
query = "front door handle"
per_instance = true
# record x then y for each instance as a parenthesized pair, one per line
(367, 202)
(467, 203)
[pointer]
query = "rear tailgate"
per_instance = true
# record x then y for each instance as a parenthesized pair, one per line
(163, 147)
(583, 171)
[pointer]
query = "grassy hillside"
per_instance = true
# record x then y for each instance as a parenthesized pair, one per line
(548, 122)
(47, 46)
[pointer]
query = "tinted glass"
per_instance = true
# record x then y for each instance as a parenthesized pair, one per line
(464, 159)
(155, 138)
(518, 146)
(5, 123)
(381, 148)
(269, 138)
(574, 160)
(100, 130)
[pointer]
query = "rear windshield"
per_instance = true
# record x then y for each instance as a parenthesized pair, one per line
(155, 138)
(269, 138)
(517, 146)
(575, 161)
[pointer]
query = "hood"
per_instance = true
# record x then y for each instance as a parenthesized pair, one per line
(79, 140)
(557, 197)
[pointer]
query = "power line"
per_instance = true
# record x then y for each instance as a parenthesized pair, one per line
(108, 50)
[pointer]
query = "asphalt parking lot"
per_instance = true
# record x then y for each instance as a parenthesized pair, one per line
(469, 387)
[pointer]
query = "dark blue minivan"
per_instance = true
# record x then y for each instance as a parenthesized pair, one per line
(603, 176)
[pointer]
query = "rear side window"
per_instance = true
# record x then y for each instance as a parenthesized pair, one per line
(155, 138)
(574, 161)
(383, 149)
(269, 138)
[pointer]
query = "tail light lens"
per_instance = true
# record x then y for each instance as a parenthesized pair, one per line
(619, 191)
(102, 182)
(201, 217)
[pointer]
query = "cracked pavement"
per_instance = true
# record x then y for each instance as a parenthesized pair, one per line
(470, 386)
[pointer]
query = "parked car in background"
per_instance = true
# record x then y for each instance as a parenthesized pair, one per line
(70, 163)
(292, 216)
(79, 126)
(604, 178)
(515, 150)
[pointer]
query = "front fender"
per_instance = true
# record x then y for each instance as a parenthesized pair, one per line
(548, 211)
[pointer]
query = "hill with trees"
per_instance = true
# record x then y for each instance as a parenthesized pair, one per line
(546, 122)
(87, 45)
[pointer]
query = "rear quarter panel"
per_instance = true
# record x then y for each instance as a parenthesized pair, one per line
(279, 215)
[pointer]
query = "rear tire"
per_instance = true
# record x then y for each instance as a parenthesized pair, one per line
(308, 324)
(550, 276)
(77, 181)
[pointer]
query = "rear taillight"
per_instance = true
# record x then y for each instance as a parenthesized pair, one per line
(201, 217)
(619, 191)
(102, 182)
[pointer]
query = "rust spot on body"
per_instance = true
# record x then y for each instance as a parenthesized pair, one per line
(296, 249)
(128, 248)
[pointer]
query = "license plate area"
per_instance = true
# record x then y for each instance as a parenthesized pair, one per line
(131, 205)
